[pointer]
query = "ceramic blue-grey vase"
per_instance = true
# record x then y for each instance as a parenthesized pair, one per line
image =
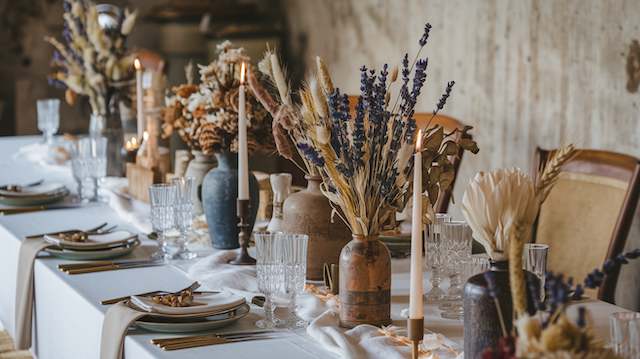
(219, 196)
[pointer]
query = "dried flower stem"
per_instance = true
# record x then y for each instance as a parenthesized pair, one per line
(551, 171)
(516, 274)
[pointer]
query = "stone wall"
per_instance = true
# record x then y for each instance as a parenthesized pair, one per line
(528, 73)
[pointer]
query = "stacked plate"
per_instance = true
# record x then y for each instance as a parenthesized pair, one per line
(398, 244)
(44, 193)
(96, 246)
(210, 310)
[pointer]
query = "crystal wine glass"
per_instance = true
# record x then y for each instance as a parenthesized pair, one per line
(89, 166)
(281, 268)
(457, 243)
(434, 259)
(162, 198)
(48, 118)
(184, 214)
(625, 334)
(535, 261)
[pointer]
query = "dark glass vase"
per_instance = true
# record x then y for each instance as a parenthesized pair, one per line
(481, 321)
(219, 201)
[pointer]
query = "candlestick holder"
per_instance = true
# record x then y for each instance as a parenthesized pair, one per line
(415, 328)
(243, 257)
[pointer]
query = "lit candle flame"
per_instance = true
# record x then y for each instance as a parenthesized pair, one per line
(242, 70)
(145, 135)
(137, 64)
(419, 141)
(134, 141)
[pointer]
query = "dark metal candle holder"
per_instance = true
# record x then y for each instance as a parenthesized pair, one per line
(243, 257)
(415, 329)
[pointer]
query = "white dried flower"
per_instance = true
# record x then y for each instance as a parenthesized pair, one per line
(494, 203)
(128, 22)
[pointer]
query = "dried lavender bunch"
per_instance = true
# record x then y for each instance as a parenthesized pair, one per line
(92, 60)
(364, 156)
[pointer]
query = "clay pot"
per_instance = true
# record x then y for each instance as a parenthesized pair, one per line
(198, 168)
(365, 283)
(309, 212)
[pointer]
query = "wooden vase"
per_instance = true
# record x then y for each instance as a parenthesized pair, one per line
(365, 283)
(309, 212)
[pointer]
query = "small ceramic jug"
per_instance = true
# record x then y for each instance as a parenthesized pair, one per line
(281, 186)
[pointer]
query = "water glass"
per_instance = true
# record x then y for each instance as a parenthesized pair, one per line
(457, 238)
(475, 264)
(535, 261)
(184, 213)
(48, 118)
(281, 267)
(625, 334)
(434, 259)
(162, 198)
(89, 166)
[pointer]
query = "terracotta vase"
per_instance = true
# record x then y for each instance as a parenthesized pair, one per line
(309, 212)
(365, 283)
(198, 168)
(481, 325)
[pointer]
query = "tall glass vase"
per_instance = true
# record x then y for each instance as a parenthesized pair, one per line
(365, 283)
(110, 127)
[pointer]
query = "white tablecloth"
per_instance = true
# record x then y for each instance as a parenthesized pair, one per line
(68, 314)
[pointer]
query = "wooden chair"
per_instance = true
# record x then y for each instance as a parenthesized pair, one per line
(449, 124)
(587, 216)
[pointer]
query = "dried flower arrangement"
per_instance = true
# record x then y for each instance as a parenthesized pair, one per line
(205, 115)
(501, 207)
(364, 158)
(92, 60)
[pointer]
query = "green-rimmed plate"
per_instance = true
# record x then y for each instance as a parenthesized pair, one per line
(167, 324)
(93, 255)
(399, 245)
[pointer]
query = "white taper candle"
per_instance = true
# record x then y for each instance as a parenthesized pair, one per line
(415, 294)
(243, 157)
(139, 95)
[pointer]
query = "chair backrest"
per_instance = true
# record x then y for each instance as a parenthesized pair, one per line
(588, 213)
(449, 124)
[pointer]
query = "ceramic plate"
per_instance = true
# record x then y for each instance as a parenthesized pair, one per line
(34, 200)
(93, 255)
(94, 241)
(188, 325)
(44, 189)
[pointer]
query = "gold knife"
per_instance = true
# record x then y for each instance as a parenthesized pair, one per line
(113, 266)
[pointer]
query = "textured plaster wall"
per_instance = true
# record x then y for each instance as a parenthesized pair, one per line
(528, 73)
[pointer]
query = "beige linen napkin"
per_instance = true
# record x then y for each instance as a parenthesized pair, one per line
(29, 249)
(114, 328)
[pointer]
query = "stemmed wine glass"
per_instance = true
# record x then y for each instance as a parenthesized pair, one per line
(457, 243)
(281, 268)
(184, 214)
(48, 118)
(434, 258)
(89, 166)
(162, 198)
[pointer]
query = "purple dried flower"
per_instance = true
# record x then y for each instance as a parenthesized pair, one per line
(582, 317)
(445, 96)
(425, 35)
(311, 154)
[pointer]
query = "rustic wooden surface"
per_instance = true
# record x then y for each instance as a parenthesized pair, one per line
(528, 73)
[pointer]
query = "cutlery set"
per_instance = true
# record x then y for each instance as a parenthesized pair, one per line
(102, 266)
(187, 342)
